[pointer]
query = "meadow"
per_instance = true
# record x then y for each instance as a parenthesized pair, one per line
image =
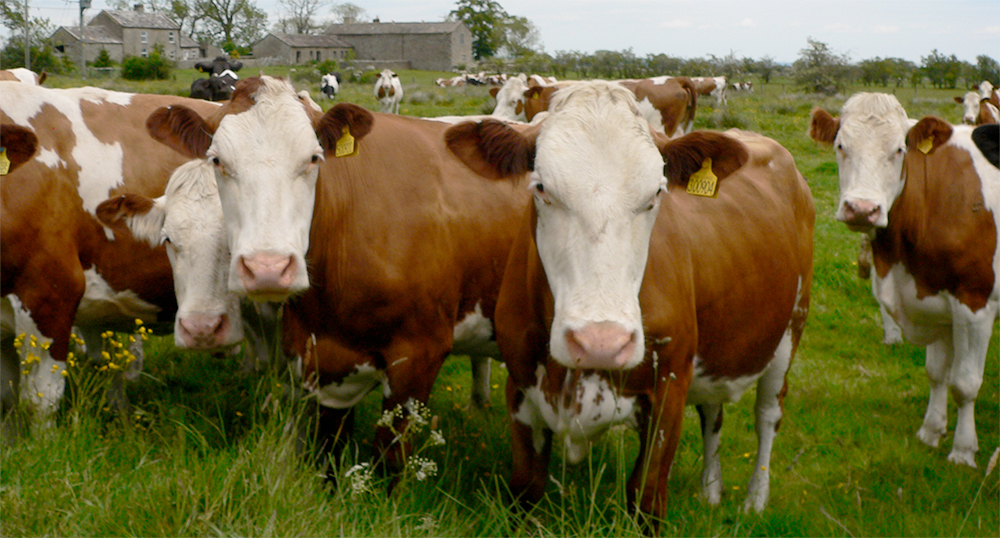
(209, 450)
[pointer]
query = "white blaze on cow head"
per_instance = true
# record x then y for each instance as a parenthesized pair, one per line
(870, 141)
(597, 177)
(188, 219)
(970, 107)
(510, 99)
(266, 146)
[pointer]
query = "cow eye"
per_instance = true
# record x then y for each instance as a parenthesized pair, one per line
(216, 161)
(540, 193)
(315, 159)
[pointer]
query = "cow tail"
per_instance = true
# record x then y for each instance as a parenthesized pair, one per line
(688, 120)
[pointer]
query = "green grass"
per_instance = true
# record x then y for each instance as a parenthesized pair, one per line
(209, 452)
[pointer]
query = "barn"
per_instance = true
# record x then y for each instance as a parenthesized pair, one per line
(297, 49)
(435, 46)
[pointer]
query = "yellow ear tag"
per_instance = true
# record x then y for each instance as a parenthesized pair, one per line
(926, 146)
(345, 145)
(703, 182)
(4, 162)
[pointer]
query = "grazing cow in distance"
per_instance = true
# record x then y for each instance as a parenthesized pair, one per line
(406, 246)
(188, 220)
(59, 266)
(217, 87)
(21, 74)
(626, 297)
(935, 260)
(388, 91)
(219, 65)
(978, 110)
(712, 86)
(329, 85)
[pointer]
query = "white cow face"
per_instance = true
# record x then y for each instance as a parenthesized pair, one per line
(510, 100)
(266, 161)
(188, 219)
(970, 107)
(870, 145)
(597, 182)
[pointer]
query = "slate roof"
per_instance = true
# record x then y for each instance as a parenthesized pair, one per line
(137, 19)
(94, 34)
(306, 40)
(369, 28)
(187, 42)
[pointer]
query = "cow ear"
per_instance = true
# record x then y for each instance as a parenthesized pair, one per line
(960, 100)
(182, 129)
(928, 134)
(19, 142)
(987, 139)
(330, 127)
(686, 155)
(533, 92)
(142, 216)
(822, 126)
(494, 91)
(492, 148)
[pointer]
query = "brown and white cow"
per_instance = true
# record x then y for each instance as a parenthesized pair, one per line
(389, 91)
(406, 246)
(60, 266)
(625, 297)
(712, 86)
(930, 204)
(20, 74)
(978, 110)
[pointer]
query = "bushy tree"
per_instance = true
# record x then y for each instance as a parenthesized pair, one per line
(943, 71)
(820, 70)
(986, 68)
(236, 22)
(485, 19)
(348, 13)
(153, 67)
(43, 58)
(103, 59)
(765, 68)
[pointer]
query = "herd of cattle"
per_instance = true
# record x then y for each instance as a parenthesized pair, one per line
(621, 265)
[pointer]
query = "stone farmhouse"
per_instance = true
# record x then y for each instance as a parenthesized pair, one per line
(436, 46)
(130, 33)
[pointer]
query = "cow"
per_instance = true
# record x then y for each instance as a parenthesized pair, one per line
(743, 87)
(21, 74)
(626, 297)
(217, 87)
(329, 85)
(713, 86)
(59, 267)
(388, 91)
(865, 119)
(927, 195)
(510, 99)
(978, 110)
(188, 220)
(406, 246)
(219, 65)
(668, 103)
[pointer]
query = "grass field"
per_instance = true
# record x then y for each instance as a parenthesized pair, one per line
(208, 450)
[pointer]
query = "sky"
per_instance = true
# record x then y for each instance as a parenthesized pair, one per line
(861, 29)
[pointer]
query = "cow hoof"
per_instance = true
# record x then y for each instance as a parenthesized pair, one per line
(757, 496)
(892, 338)
(963, 457)
(929, 436)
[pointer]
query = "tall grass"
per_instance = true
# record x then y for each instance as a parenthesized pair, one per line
(211, 451)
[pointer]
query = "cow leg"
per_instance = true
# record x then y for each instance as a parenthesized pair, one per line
(10, 375)
(891, 333)
(659, 433)
(531, 448)
(333, 430)
(711, 476)
(971, 333)
(771, 389)
(938, 365)
(480, 381)
(43, 386)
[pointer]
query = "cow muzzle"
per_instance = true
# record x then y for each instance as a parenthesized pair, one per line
(203, 331)
(268, 277)
(860, 215)
(604, 345)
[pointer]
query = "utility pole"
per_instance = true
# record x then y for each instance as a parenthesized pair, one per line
(84, 4)
(27, 40)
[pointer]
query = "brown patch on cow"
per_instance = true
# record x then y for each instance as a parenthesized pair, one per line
(686, 155)
(936, 129)
(331, 126)
(494, 91)
(182, 129)
(381, 92)
(20, 143)
(112, 212)
(492, 148)
(537, 99)
(822, 126)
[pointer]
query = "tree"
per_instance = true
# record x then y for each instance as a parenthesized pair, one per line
(39, 29)
(820, 70)
(232, 22)
(521, 37)
(348, 13)
(765, 68)
(943, 71)
(485, 19)
(299, 16)
(986, 68)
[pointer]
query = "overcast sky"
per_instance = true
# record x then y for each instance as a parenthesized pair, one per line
(691, 28)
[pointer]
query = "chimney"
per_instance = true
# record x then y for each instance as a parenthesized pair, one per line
(139, 8)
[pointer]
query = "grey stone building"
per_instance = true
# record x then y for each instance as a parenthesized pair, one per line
(67, 41)
(434, 46)
(296, 49)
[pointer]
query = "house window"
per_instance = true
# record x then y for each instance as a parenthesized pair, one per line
(171, 37)
(461, 39)
(144, 37)
(298, 56)
(171, 55)
(144, 54)
(317, 55)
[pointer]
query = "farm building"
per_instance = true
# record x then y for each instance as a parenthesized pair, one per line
(436, 46)
(295, 49)
(129, 33)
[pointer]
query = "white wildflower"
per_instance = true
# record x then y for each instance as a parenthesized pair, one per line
(437, 438)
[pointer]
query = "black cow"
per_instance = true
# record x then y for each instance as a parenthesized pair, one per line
(218, 65)
(215, 87)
